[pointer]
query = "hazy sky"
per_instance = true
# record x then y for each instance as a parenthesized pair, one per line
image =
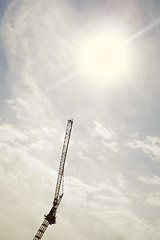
(112, 175)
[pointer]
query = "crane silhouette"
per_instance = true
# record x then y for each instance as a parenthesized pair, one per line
(50, 218)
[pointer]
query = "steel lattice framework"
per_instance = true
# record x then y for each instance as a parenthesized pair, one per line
(50, 218)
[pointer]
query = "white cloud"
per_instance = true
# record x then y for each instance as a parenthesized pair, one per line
(113, 146)
(110, 208)
(153, 200)
(106, 136)
(101, 131)
(11, 134)
(39, 42)
(150, 146)
(122, 183)
(83, 145)
(155, 180)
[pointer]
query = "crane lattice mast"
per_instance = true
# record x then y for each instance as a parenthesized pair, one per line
(50, 218)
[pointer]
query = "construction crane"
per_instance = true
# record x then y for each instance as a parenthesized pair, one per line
(50, 218)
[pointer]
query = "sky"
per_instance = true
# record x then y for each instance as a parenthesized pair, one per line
(112, 173)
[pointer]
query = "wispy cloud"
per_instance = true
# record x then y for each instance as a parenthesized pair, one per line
(155, 180)
(150, 146)
(153, 200)
(106, 136)
(103, 132)
(101, 195)
(107, 205)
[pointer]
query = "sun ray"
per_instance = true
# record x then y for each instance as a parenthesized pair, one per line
(125, 42)
(143, 31)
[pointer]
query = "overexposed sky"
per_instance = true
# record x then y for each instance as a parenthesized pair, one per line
(56, 63)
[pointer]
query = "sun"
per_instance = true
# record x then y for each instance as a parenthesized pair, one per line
(104, 55)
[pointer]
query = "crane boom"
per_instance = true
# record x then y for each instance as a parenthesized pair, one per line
(50, 218)
(63, 158)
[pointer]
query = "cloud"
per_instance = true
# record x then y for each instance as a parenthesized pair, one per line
(150, 146)
(155, 180)
(38, 46)
(83, 145)
(40, 41)
(106, 136)
(153, 200)
(101, 131)
(113, 146)
(24, 177)
(109, 206)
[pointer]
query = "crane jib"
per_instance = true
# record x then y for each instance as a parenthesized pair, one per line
(63, 158)
(51, 217)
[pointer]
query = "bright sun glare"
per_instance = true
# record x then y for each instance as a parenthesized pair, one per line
(104, 55)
